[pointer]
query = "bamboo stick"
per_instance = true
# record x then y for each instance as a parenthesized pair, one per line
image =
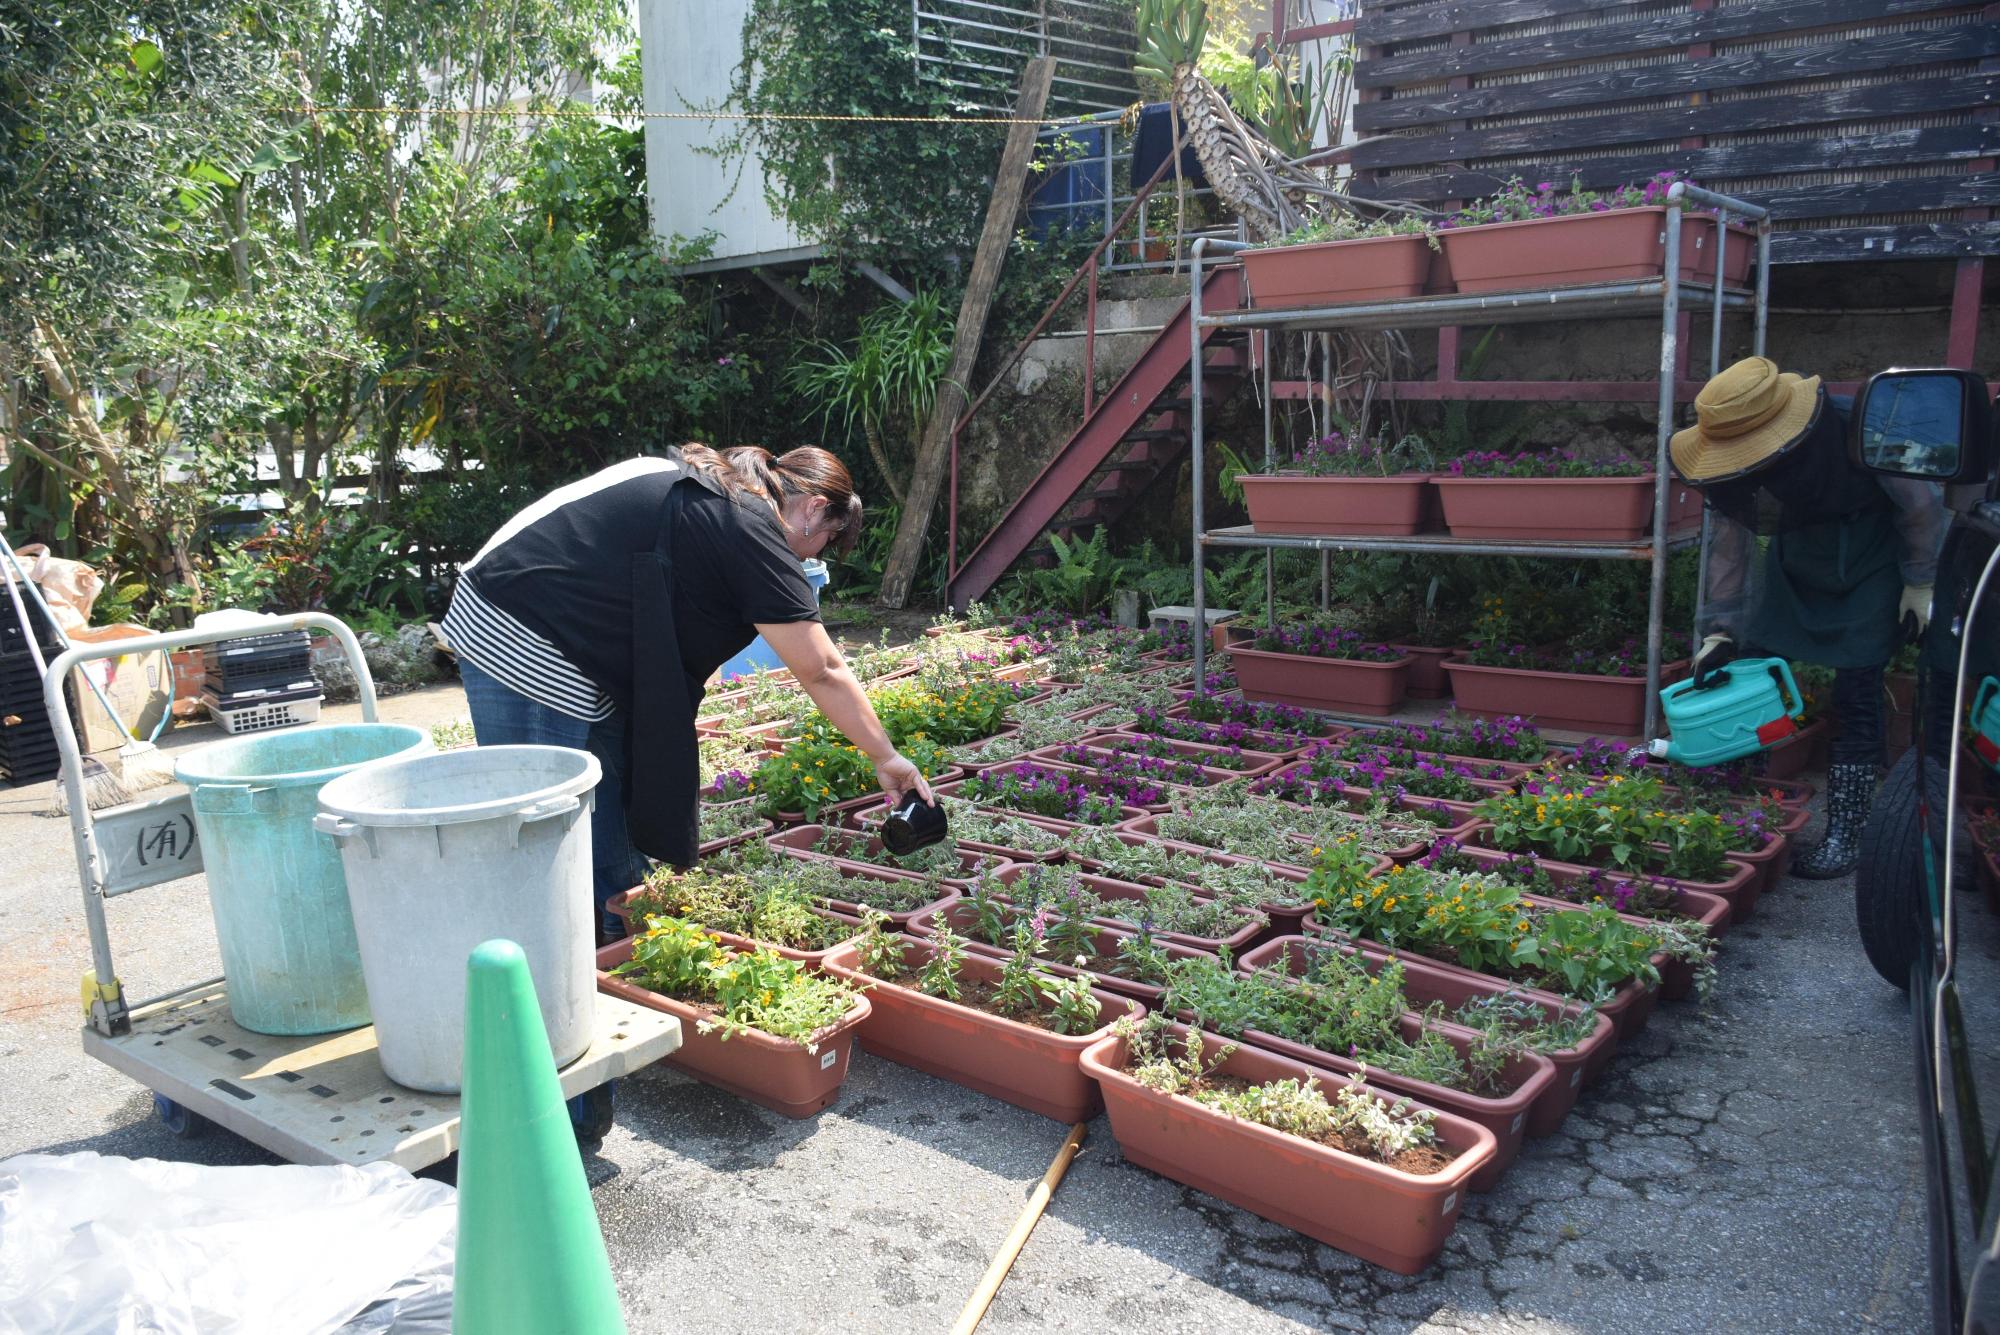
(1031, 1214)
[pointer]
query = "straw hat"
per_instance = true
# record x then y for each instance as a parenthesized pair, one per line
(1744, 416)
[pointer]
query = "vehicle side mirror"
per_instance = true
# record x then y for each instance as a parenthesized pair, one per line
(1934, 425)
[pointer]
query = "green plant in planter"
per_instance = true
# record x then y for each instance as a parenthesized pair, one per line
(1615, 822)
(758, 990)
(1341, 225)
(1299, 1108)
(1338, 454)
(811, 774)
(1509, 1023)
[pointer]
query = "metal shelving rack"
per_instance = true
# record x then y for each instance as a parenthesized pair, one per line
(1665, 297)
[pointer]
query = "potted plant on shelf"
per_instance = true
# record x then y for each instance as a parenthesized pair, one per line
(1319, 667)
(1322, 1154)
(761, 1026)
(1594, 684)
(1545, 496)
(1340, 485)
(1546, 237)
(1341, 258)
(1004, 1028)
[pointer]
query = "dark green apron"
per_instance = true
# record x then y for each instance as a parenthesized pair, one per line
(1830, 592)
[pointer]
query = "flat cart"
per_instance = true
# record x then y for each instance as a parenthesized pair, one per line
(319, 1098)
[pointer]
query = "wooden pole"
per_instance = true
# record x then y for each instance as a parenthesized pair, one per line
(989, 1284)
(926, 478)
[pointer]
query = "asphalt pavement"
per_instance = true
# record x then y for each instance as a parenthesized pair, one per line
(1750, 1164)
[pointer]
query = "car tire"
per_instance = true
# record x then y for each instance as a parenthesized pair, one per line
(1889, 881)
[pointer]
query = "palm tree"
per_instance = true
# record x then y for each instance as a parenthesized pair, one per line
(888, 381)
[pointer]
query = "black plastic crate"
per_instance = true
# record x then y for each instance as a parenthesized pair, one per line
(15, 640)
(257, 663)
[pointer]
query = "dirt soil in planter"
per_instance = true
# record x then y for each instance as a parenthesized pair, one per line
(1422, 1161)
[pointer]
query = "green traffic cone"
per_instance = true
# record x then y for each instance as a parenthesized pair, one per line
(531, 1259)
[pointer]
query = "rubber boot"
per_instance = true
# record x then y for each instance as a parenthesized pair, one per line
(1850, 789)
(531, 1258)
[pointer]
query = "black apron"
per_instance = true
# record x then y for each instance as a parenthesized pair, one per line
(662, 765)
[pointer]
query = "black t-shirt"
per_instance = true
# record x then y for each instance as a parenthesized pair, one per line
(563, 569)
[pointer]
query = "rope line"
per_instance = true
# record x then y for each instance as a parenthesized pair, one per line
(592, 113)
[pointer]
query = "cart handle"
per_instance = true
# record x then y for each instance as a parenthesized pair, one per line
(109, 1011)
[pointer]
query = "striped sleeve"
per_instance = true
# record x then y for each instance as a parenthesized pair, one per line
(518, 657)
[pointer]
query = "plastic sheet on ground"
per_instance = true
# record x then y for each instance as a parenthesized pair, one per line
(93, 1243)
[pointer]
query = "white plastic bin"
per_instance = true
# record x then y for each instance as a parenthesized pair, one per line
(449, 850)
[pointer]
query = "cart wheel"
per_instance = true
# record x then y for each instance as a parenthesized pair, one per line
(592, 1113)
(181, 1121)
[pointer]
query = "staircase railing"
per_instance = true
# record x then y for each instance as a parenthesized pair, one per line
(1084, 279)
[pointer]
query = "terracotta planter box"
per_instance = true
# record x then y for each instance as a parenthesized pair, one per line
(1806, 750)
(1427, 680)
(1018, 1063)
(871, 821)
(954, 790)
(1612, 707)
(1528, 1078)
(1548, 509)
(775, 1073)
(1328, 273)
(1339, 506)
(1285, 918)
(1609, 247)
(1630, 1006)
(1255, 760)
(1347, 686)
(1107, 887)
(1426, 982)
(1396, 1220)
(620, 907)
(799, 841)
(1328, 730)
(1740, 891)
(960, 916)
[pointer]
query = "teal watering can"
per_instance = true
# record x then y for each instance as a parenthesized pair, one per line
(1986, 723)
(1737, 710)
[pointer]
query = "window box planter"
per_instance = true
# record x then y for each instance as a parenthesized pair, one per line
(1740, 890)
(1613, 246)
(1340, 506)
(1082, 777)
(833, 812)
(1393, 1219)
(1343, 685)
(1250, 761)
(774, 1073)
(856, 852)
(1255, 923)
(619, 906)
(1327, 273)
(1017, 1063)
(1612, 707)
(1284, 917)
(1807, 749)
(961, 918)
(1526, 1078)
(1630, 1006)
(1532, 509)
(1427, 680)
(1425, 982)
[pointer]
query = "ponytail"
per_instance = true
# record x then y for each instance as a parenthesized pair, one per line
(749, 470)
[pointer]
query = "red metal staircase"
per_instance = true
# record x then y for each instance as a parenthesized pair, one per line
(1128, 438)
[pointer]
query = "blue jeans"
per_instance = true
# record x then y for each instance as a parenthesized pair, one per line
(502, 716)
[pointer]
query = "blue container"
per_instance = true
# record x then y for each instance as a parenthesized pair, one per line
(1746, 707)
(761, 657)
(1986, 722)
(274, 883)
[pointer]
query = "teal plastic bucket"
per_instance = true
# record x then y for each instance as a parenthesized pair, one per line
(275, 884)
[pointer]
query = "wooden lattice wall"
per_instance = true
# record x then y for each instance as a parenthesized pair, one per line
(1870, 128)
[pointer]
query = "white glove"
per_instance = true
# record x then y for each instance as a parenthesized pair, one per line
(1715, 651)
(1916, 602)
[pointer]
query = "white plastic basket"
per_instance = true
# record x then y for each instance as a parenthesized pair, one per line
(261, 715)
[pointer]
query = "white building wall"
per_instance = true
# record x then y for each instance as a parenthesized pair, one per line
(688, 50)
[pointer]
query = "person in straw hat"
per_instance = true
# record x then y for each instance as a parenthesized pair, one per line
(1842, 574)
